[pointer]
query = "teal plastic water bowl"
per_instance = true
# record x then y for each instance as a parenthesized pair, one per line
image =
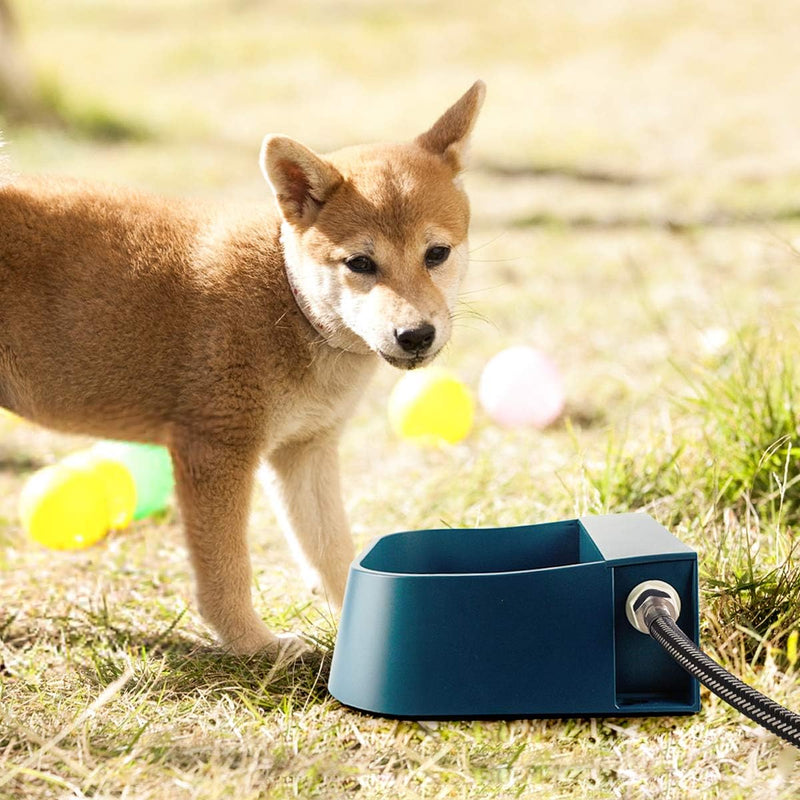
(513, 622)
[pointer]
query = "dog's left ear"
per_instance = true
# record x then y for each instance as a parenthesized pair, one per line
(449, 136)
(301, 180)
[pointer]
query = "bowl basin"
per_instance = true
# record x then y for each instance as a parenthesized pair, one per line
(513, 622)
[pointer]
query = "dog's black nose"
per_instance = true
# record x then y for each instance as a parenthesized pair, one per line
(416, 340)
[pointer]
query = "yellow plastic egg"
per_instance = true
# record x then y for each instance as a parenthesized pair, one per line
(8, 420)
(431, 405)
(120, 489)
(64, 508)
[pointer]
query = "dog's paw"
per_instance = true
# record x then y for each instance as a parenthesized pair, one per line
(247, 640)
(279, 648)
(289, 647)
(291, 653)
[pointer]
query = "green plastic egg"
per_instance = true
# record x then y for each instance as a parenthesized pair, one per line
(150, 467)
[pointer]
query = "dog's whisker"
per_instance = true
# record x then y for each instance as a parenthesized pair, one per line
(481, 289)
(465, 310)
(488, 242)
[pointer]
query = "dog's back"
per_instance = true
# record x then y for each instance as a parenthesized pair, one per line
(105, 295)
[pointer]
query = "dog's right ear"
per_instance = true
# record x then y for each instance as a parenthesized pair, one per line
(449, 136)
(300, 179)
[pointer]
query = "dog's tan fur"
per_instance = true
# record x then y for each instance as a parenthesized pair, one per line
(234, 337)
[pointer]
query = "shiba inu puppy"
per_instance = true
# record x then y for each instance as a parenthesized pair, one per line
(237, 338)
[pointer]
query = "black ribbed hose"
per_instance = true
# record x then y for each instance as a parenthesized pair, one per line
(758, 707)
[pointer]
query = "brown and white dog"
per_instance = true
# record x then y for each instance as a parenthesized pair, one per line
(237, 338)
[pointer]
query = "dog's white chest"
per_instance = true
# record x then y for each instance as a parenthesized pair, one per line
(323, 400)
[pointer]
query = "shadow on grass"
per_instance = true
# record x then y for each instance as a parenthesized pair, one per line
(564, 171)
(177, 669)
(169, 664)
(18, 463)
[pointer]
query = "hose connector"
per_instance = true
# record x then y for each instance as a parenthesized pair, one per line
(649, 600)
(653, 607)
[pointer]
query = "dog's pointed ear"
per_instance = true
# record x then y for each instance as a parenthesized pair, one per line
(449, 136)
(301, 180)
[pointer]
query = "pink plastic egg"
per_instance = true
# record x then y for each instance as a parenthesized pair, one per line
(521, 386)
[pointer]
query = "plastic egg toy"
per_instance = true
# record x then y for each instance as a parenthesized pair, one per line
(431, 406)
(8, 420)
(521, 386)
(64, 508)
(150, 467)
(118, 485)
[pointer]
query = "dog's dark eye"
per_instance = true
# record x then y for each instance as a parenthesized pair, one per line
(362, 264)
(436, 255)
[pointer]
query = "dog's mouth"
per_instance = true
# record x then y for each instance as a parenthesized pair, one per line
(408, 362)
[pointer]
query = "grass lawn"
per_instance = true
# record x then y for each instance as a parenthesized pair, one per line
(636, 214)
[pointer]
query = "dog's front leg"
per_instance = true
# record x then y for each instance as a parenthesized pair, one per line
(214, 485)
(303, 481)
